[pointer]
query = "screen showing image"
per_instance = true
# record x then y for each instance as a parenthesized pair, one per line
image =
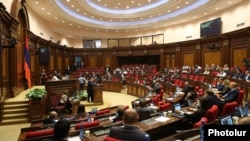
(210, 28)
(226, 120)
(44, 55)
(177, 106)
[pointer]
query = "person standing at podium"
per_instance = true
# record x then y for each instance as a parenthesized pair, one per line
(90, 90)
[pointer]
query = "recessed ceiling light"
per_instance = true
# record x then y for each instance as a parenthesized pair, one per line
(139, 4)
(78, 10)
(177, 7)
(187, 2)
(72, 6)
(92, 16)
(105, 4)
(68, 0)
(132, 1)
(119, 3)
(70, 24)
(127, 7)
(56, 18)
(36, 2)
(229, 2)
(43, 8)
(84, 13)
(63, 21)
(48, 13)
(79, 26)
(217, 8)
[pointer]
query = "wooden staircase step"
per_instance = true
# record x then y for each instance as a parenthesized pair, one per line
(15, 116)
(16, 102)
(13, 111)
(14, 121)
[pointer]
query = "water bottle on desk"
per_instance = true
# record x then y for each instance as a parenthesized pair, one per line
(147, 137)
(202, 130)
(81, 132)
(246, 110)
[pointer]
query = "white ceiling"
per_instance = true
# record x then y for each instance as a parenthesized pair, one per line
(103, 18)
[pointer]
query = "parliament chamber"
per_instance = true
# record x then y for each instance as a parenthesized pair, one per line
(232, 48)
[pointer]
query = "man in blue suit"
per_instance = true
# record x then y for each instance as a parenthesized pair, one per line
(232, 95)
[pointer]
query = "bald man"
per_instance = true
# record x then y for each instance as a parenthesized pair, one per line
(129, 131)
(232, 95)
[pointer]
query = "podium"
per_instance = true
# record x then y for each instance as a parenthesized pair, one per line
(98, 93)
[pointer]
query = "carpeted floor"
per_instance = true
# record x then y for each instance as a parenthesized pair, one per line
(11, 132)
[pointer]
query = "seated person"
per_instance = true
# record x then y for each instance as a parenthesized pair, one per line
(220, 84)
(232, 95)
(190, 97)
(214, 100)
(143, 107)
(129, 131)
(119, 113)
(226, 87)
(190, 119)
(65, 100)
(51, 118)
(61, 130)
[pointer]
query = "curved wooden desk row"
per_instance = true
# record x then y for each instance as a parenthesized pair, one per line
(169, 87)
(140, 90)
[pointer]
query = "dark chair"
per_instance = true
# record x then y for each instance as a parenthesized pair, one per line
(55, 104)
(143, 115)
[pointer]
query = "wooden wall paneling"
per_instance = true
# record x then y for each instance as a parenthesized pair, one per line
(59, 64)
(178, 56)
(173, 61)
(107, 60)
(66, 59)
(188, 59)
(92, 61)
(238, 55)
(212, 57)
(52, 63)
(167, 60)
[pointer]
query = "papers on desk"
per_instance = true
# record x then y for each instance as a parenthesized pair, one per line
(162, 119)
(112, 117)
(75, 138)
(170, 98)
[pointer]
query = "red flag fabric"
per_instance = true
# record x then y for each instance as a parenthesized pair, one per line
(27, 62)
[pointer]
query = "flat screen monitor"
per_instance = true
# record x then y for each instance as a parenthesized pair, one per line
(227, 120)
(210, 28)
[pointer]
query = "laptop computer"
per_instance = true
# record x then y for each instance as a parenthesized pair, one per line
(227, 120)
(177, 111)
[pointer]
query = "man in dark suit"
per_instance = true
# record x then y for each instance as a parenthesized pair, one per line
(232, 95)
(51, 118)
(119, 113)
(214, 100)
(129, 131)
(247, 76)
(90, 89)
